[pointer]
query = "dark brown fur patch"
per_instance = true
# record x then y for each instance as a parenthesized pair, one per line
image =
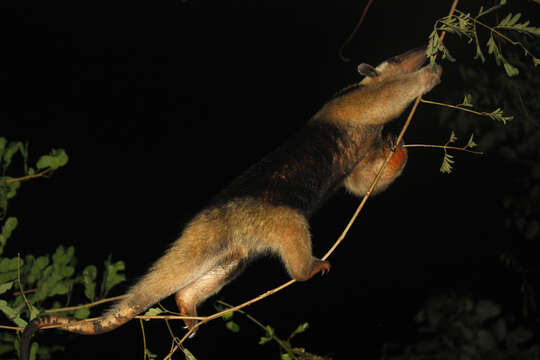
(300, 174)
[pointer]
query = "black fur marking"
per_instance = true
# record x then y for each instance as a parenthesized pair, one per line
(28, 332)
(301, 174)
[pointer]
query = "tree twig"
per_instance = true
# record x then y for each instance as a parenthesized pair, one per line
(353, 33)
(69, 308)
(443, 147)
(28, 177)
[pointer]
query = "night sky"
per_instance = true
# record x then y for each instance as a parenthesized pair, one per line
(160, 105)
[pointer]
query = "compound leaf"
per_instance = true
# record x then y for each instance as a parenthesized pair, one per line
(57, 158)
(112, 275)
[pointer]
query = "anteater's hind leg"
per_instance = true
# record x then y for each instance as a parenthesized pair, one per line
(211, 282)
(292, 241)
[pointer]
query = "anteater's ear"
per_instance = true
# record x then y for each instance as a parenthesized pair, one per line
(367, 70)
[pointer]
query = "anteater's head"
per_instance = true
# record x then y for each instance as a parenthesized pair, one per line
(404, 63)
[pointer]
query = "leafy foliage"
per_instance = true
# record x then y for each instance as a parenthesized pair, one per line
(465, 25)
(452, 327)
(515, 144)
(9, 185)
(28, 285)
(55, 160)
(288, 352)
(446, 166)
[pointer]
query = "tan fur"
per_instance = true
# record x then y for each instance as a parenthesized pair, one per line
(391, 96)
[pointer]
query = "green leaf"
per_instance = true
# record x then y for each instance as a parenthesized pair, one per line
(55, 160)
(5, 287)
(232, 326)
(60, 288)
(499, 59)
(34, 312)
(34, 348)
(435, 46)
(12, 189)
(510, 20)
(12, 314)
(112, 275)
(3, 142)
(467, 101)
(7, 264)
(498, 115)
(493, 49)
(269, 335)
(460, 25)
(7, 191)
(37, 268)
(300, 329)
(150, 355)
(453, 138)
(62, 261)
(153, 311)
(9, 225)
(11, 150)
(511, 23)
(9, 188)
(56, 278)
(89, 276)
(483, 12)
(81, 314)
(446, 166)
(510, 70)
(479, 53)
(471, 144)
(228, 316)
(8, 269)
(24, 153)
(188, 354)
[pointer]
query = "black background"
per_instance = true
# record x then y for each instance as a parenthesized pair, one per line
(160, 104)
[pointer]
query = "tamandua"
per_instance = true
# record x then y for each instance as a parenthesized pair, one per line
(267, 208)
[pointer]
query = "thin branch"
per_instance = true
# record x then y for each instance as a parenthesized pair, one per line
(353, 33)
(29, 291)
(444, 147)
(143, 317)
(170, 317)
(28, 177)
(285, 345)
(69, 308)
(15, 328)
(480, 113)
(144, 339)
(492, 29)
(20, 284)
